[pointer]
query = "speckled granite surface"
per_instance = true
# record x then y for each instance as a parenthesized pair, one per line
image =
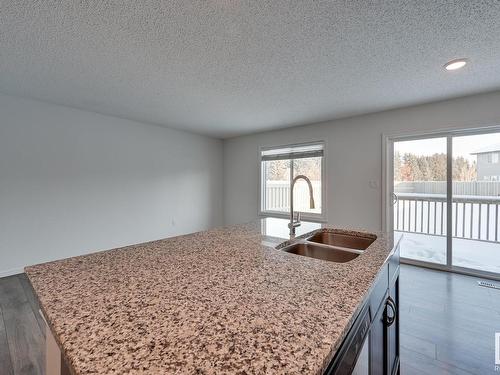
(214, 302)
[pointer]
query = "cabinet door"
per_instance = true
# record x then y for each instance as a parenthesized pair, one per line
(378, 340)
(393, 330)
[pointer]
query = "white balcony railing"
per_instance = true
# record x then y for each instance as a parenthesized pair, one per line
(474, 217)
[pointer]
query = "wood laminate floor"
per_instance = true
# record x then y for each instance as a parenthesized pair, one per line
(22, 332)
(448, 324)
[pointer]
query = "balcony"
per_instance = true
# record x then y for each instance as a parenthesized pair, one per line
(475, 231)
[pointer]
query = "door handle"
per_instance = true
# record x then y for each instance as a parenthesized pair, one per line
(395, 199)
(390, 319)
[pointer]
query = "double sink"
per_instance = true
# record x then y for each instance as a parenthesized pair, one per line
(332, 246)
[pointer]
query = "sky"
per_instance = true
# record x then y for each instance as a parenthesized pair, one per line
(462, 146)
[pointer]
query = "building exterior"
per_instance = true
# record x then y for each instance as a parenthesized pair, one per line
(488, 163)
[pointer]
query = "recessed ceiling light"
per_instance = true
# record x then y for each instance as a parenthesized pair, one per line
(455, 64)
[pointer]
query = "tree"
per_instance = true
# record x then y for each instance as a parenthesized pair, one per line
(411, 167)
(397, 166)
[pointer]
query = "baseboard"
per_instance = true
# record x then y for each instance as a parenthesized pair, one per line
(12, 271)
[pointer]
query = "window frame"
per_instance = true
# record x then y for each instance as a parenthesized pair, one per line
(305, 216)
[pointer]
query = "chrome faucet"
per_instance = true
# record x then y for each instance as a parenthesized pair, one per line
(295, 223)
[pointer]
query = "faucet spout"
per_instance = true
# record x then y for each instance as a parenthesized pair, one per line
(294, 224)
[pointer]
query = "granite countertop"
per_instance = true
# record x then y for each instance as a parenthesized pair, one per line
(213, 302)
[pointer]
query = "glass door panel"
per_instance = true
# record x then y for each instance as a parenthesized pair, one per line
(420, 198)
(476, 201)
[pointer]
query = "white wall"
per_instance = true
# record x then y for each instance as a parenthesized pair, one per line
(73, 182)
(354, 156)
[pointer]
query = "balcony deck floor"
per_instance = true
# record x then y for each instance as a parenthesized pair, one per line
(477, 255)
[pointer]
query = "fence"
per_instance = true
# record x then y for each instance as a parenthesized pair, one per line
(278, 195)
(489, 188)
(475, 206)
(474, 217)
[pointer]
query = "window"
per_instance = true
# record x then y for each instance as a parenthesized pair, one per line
(493, 158)
(279, 166)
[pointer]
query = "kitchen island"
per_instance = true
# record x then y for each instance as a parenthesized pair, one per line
(219, 301)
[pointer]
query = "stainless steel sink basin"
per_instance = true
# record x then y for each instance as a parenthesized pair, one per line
(312, 250)
(343, 240)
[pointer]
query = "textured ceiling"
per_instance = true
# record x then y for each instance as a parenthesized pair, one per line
(224, 68)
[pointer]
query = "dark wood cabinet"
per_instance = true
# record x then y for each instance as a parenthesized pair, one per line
(393, 329)
(382, 336)
(378, 341)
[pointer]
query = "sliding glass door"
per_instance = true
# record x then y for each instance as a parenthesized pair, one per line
(476, 201)
(420, 198)
(445, 199)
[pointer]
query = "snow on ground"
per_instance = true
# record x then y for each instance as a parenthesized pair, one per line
(479, 255)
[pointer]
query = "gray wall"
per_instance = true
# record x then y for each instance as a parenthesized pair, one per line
(73, 182)
(353, 156)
